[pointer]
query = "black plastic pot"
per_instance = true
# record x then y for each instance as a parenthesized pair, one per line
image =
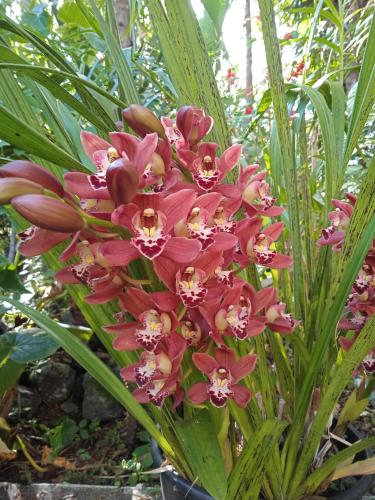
(173, 487)
(362, 484)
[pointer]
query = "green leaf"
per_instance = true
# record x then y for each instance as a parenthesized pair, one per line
(363, 344)
(20, 65)
(203, 453)
(126, 82)
(97, 369)
(69, 12)
(187, 61)
(247, 475)
(217, 10)
(28, 345)
(9, 278)
(364, 99)
(9, 374)
(320, 475)
(21, 135)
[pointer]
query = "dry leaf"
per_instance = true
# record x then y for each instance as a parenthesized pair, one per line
(61, 462)
(4, 425)
(64, 463)
(360, 468)
(5, 453)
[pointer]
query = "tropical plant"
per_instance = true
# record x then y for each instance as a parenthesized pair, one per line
(184, 267)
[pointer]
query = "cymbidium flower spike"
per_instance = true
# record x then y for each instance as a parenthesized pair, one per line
(172, 213)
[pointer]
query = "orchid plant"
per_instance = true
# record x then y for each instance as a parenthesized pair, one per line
(237, 323)
(159, 230)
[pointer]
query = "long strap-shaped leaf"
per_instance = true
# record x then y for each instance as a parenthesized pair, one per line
(96, 368)
(18, 64)
(318, 476)
(200, 444)
(246, 478)
(364, 98)
(126, 81)
(23, 136)
(55, 58)
(363, 344)
(271, 44)
(187, 61)
(358, 240)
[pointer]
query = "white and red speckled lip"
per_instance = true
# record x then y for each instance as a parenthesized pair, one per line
(198, 229)
(151, 332)
(150, 237)
(263, 254)
(219, 388)
(190, 286)
(238, 318)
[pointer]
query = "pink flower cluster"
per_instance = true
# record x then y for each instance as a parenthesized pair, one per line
(361, 301)
(157, 212)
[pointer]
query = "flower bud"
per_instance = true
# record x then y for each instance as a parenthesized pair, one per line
(143, 121)
(122, 181)
(32, 172)
(15, 186)
(48, 213)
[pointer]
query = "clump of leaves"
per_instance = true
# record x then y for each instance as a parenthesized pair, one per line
(141, 461)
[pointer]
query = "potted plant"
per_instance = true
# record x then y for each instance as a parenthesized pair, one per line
(237, 323)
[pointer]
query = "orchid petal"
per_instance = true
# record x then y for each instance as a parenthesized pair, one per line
(198, 393)
(230, 158)
(243, 367)
(274, 230)
(182, 250)
(38, 241)
(176, 206)
(204, 362)
(124, 143)
(78, 183)
(92, 143)
(119, 253)
(241, 395)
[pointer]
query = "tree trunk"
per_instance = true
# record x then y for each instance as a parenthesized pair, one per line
(249, 54)
(122, 18)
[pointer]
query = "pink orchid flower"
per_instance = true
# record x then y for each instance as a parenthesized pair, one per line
(253, 192)
(155, 320)
(146, 159)
(156, 365)
(223, 372)
(335, 233)
(256, 244)
(207, 169)
(151, 219)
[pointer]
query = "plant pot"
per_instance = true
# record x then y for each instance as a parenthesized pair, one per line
(173, 487)
(361, 484)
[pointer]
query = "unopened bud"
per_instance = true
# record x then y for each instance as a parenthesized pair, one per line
(122, 181)
(14, 186)
(32, 172)
(143, 121)
(48, 213)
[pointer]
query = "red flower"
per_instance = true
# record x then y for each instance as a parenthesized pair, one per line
(223, 372)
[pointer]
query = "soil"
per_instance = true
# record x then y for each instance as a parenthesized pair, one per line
(95, 456)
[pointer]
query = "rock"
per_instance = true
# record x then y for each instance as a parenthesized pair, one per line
(44, 491)
(28, 400)
(98, 403)
(53, 380)
(69, 408)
